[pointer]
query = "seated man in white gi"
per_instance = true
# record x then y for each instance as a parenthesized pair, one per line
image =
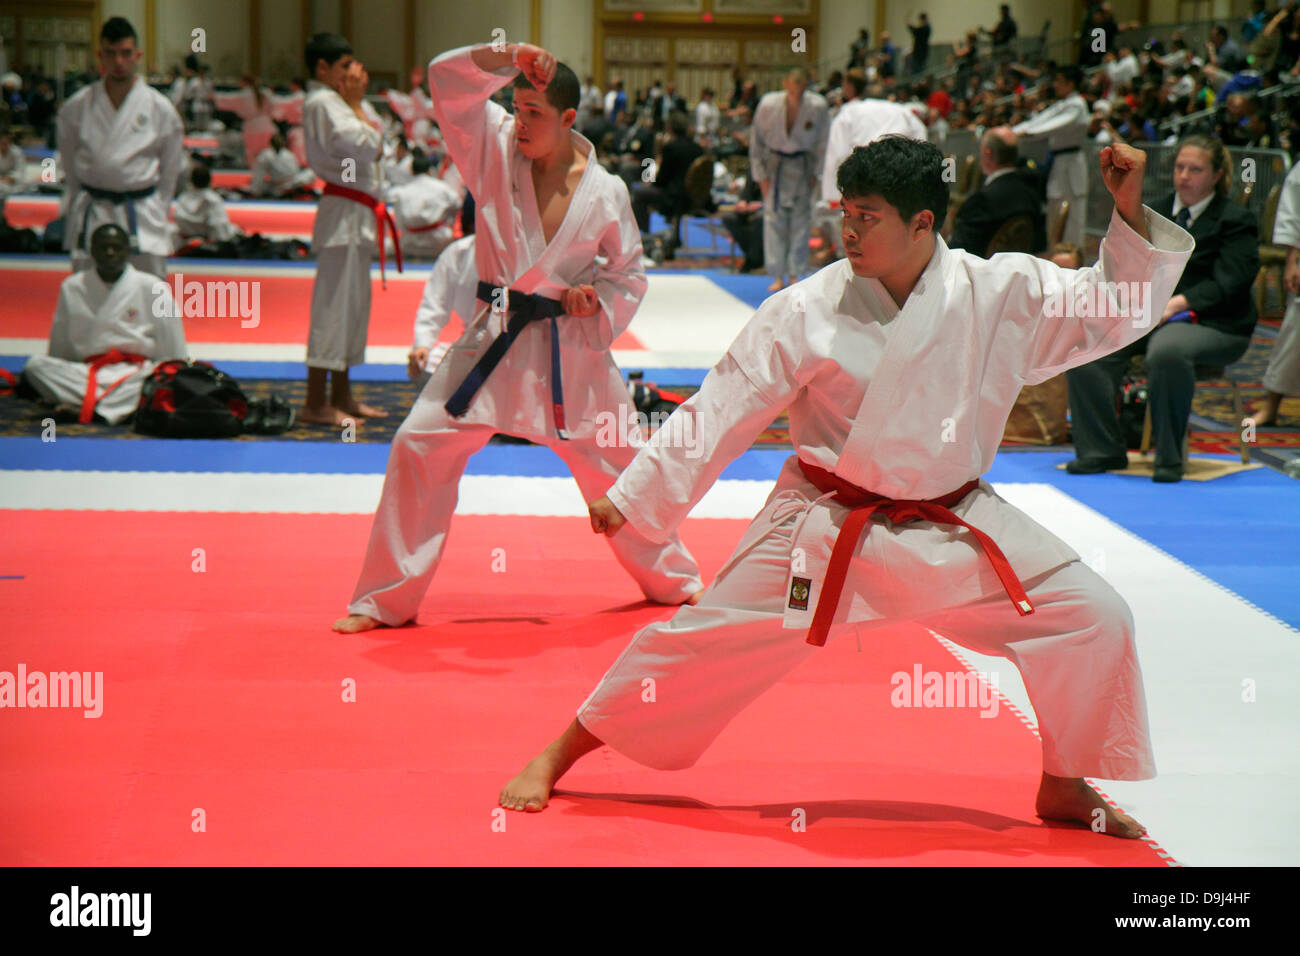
(899, 366)
(112, 326)
(424, 209)
(201, 212)
(277, 173)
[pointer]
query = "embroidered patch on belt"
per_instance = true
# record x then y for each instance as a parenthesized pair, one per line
(799, 590)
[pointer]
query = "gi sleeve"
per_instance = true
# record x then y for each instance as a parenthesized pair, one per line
(168, 328)
(60, 345)
(171, 134)
(1286, 227)
(474, 129)
(620, 281)
(1065, 336)
(760, 153)
(1235, 267)
(69, 126)
(757, 377)
(435, 305)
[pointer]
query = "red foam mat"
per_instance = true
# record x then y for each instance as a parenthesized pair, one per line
(282, 219)
(283, 315)
(222, 694)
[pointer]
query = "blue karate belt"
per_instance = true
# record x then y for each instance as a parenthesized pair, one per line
(776, 176)
(117, 199)
(1053, 153)
(523, 307)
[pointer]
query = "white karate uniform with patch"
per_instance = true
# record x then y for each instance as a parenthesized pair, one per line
(858, 123)
(788, 207)
(1065, 124)
(343, 150)
(123, 150)
(909, 404)
(201, 214)
(93, 317)
(431, 449)
(424, 201)
(1283, 374)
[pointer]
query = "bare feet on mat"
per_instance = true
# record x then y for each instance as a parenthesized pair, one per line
(1070, 798)
(776, 286)
(323, 415)
(355, 623)
(530, 789)
(365, 411)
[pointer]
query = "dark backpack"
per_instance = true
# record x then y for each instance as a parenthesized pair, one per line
(190, 400)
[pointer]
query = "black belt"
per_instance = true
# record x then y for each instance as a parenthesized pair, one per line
(523, 307)
(117, 199)
(776, 177)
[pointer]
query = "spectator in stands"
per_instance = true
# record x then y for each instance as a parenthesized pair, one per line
(667, 193)
(920, 42)
(707, 118)
(1254, 26)
(1004, 32)
(858, 50)
(634, 146)
(1208, 321)
(1224, 52)
(888, 60)
(615, 100)
(663, 102)
(745, 224)
(1007, 193)
(591, 103)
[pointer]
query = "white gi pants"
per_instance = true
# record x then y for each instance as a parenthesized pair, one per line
(1283, 375)
(1068, 180)
(786, 231)
(63, 381)
(425, 465)
(1075, 652)
(340, 307)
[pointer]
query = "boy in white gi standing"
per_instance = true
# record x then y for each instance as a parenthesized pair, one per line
(899, 366)
(120, 141)
(343, 149)
(534, 361)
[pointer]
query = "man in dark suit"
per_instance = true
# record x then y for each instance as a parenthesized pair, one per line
(668, 191)
(1007, 192)
(1208, 321)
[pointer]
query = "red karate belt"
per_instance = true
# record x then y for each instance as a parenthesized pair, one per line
(445, 221)
(864, 504)
(382, 216)
(96, 362)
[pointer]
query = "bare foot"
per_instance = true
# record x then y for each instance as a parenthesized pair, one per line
(530, 789)
(365, 411)
(695, 598)
(1070, 798)
(1263, 415)
(324, 415)
(776, 286)
(355, 623)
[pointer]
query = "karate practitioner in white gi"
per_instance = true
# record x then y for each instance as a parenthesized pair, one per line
(1065, 125)
(343, 149)
(424, 209)
(451, 289)
(899, 366)
(1282, 378)
(120, 142)
(113, 323)
(786, 149)
(277, 173)
(201, 212)
(546, 210)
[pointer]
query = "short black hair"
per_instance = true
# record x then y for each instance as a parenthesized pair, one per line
(201, 177)
(118, 28)
(907, 173)
(419, 163)
(192, 62)
(329, 47)
(1072, 74)
(563, 92)
(111, 227)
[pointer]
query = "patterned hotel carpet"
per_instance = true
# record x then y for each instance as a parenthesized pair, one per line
(1213, 401)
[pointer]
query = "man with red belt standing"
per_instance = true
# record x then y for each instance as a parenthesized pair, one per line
(343, 149)
(899, 366)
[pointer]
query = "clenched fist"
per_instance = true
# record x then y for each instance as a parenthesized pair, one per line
(536, 64)
(605, 518)
(1123, 168)
(580, 301)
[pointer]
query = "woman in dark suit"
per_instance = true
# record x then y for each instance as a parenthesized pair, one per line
(1208, 321)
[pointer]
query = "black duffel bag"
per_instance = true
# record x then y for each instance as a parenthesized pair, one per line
(191, 399)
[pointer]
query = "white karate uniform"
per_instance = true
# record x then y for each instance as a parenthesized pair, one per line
(343, 234)
(1065, 124)
(424, 201)
(431, 448)
(707, 118)
(397, 172)
(909, 404)
(93, 317)
(1283, 374)
(201, 214)
(13, 170)
(124, 150)
(450, 290)
(278, 173)
(258, 126)
(858, 123)
(787, 209)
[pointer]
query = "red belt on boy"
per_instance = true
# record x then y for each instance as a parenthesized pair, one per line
(382, 216)
(863, 505)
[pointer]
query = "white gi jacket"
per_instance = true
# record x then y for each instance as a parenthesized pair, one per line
(334, 135)
(1065, 124)
(93, 317)
(451, 288)
(908, 404)
(791, 177)
(512, 251)
(424, 201)
(124, 150)
(858, 123)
